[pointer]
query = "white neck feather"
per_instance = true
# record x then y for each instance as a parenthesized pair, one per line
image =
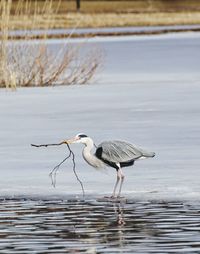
(89, 157)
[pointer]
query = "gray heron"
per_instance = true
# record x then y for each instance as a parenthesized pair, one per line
(116, 154)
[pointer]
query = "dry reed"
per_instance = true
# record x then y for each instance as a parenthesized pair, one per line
(32, 63)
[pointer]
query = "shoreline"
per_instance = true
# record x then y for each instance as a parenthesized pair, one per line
(99, 32)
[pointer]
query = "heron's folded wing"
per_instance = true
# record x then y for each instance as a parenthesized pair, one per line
(119, 151)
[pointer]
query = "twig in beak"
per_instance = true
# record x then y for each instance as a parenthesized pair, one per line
(56, 168)
(55, 171)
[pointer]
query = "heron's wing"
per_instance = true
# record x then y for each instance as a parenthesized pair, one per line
(120, 151)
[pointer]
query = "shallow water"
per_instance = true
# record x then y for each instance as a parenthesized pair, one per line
(72, 226)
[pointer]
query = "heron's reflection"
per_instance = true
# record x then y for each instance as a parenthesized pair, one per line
(92, 227)
(119, 211)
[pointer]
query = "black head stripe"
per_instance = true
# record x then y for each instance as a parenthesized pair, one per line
(82, 136)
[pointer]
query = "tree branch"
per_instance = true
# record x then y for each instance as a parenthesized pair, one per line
(54, 144)
(56, 168)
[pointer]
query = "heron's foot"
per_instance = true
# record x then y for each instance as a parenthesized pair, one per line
(119, 196)
(112, 196)
(113, 199)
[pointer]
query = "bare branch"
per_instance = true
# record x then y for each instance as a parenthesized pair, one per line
(74, 169)
(46, 145)
(56, 168)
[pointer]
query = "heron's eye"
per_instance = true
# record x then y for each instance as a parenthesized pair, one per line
(82, 136)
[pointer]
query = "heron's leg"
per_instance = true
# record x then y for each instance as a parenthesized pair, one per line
(121, 183)
(116, 184)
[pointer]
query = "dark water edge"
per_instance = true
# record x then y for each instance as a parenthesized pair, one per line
(98, 226)
(108, 31)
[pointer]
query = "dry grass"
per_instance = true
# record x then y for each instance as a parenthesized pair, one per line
(107, 13)
(84, 20)
(30, 63)
(117, 6)
(129, 19)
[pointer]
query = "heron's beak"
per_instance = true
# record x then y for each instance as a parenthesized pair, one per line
(71, 141)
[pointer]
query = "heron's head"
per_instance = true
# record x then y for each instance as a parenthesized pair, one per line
(79, 138)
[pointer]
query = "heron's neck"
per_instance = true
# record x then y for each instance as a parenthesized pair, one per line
(88, 145)
(89, 157)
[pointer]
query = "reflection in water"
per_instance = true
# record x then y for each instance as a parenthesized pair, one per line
(119, 211)
(28, 226)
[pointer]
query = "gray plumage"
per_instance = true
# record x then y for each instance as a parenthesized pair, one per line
(116, 154)
(121, 151)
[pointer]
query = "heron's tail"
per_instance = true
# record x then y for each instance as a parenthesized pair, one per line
(153, 154)
(148, 154)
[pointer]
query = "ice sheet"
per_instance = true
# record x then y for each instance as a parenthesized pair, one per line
(159, 113)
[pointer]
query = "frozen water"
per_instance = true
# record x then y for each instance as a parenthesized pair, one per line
(147, 93)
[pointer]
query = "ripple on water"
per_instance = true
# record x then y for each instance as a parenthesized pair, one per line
(30, 226)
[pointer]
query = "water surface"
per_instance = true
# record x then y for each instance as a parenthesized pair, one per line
(72, 226)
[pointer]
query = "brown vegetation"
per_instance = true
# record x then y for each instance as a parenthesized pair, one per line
(31, 63)
(117, 6)
(102, 13)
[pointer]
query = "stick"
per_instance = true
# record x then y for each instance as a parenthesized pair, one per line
(56, 168)
(45, 145)
(74, 169)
